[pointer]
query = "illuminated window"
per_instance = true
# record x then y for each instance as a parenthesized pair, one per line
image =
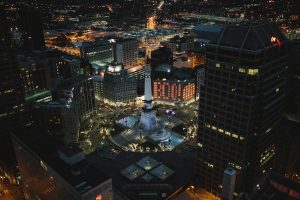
(210, 165)
(218, 65)
(253, 71)
(275, 41)
(242, 70)
(268, 130)
(227, 133)
(221, 130)
(43, 165)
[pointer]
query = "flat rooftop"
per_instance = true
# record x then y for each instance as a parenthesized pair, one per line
(46, 148)
(131, 171)
(69, 83)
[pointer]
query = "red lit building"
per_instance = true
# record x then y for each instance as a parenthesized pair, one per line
(174, 90)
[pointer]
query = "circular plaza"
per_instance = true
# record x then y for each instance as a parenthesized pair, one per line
(120, 128)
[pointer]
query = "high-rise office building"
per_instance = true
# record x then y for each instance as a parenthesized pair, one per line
(34, 74)
(68, 66)
(240, 104)
(97, 52)
(200, 73)
(58, 118)
(126, 52)
(98, 84)
(64, 66)
(11, 98)
(118, 87)
(4, 31)
(138, 73)
(77, 90)
(31, 28)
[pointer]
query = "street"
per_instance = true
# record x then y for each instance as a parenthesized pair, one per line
(7, 193)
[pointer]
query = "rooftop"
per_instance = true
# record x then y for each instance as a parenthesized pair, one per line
(274, 187)
(208, 28)
(82, 176)
(70, 83)
(178, 173)
(99, 42)
(250, 36)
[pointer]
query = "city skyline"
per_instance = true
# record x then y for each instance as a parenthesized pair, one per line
(150, 100)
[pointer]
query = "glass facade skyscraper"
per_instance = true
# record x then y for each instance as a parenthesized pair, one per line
(240, 104)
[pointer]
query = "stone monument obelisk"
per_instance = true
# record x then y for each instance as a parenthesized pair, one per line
(148, 114)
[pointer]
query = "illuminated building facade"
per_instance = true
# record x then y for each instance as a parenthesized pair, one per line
(138, 73)
(178, 88)
(34, 74)
(51, 170)
(126, 52)
(118, 87)
(174, 90)
(100, 51)
(98, 85)
(67, 67)
(196, 58)
(151, 22)
(240, 104)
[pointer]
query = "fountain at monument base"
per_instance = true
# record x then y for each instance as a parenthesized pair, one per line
(158, 135)
(146, 127)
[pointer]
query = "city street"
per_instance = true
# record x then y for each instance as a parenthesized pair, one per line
(196, 194)
(7, 192)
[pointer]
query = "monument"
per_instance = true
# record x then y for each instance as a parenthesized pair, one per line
(152, 128)
(148, 113)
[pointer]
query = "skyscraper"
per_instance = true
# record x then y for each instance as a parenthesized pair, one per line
(78, 91)
(126, 52)
(240, 104)
(31, 28)
(98, 52)
(11, 95)
(118, 87)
